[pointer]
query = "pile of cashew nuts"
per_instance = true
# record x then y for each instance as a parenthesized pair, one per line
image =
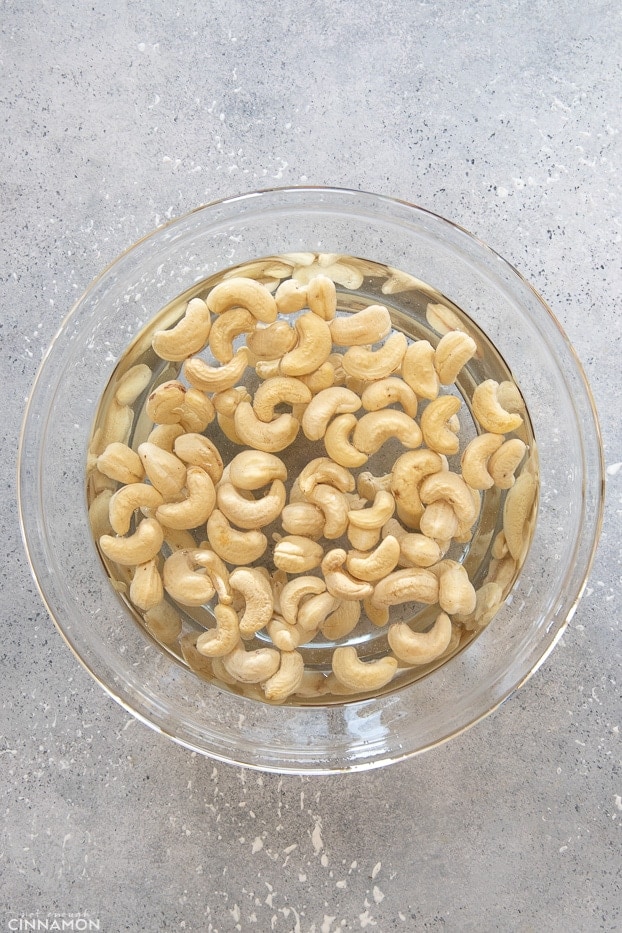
(189, 530)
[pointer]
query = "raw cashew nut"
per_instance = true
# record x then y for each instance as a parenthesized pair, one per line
(256, 590)
(216, 571)
(272, 342)
(325, 470)
(321, 378)
(442, 318)
(376, 427)
(418, 369)
(362, 675)
(518, 513)
(420, 647)
(336, 400)
(216, 378)
(163, 469)
(236, 547)
(164, 622)
(475, 460)
(377, 564)
(303, 518)
(367, 485)
(364, 327)
(195, 508)
(135, 549)
(419, 550)
(188, 336)
(121, 463)
(439, 521)
(436, 431)
(376, 364)
(270, 436)
(377, 615)
(218, 642)
(252, 469)
(313, 349)
(339, 583)
(290, 296)
(338, 445)
(287, 679)
(297, 554)
(408, 585)
(342, 621)
(335, 507)
(251, 513)
(127, 500)
(132, 384)
(164, 436)
(197, 411)
(390, 391)
(146, 589)
(164, 405)
(409, 471)
(451, 488)
(197, 450)
(226, 328)
(278, 390)
(373, 517)
(456, 593)
(241, 292)
(322, 297)
(488, 410)
(313, 611)
(505, 461)
(252, 667)
(454, 350)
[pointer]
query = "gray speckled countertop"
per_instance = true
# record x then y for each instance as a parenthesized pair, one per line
(504, 117)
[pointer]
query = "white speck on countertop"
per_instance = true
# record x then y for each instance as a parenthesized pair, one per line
(377, 894)
(376, 869)
(613, 469)
(257, 845)
(316, 837)
(618, 800)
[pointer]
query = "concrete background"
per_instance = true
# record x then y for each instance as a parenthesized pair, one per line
(504, 117)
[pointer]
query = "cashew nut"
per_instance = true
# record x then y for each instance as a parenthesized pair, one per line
(297, 554)
(337, 442)
(325, 470)
(278, 390)
(364, 327)
(322, 297)
(216, 378)
(197, 450)
(216, 571)
(376, 427)
(376, 364)
(342, 621)
(257, 593)
(419, 550)
(418, 369)
(270, 436)
(409, 471)
(287, 679)
(488, 411)
(517, 514)
(225, 329)
(377, 564)
(373, 517)
(127, 500)
(334, 505)
(195, 508)
(236, 547)
(188, 336)
(454, 350)
(339, 583)
(505, 461)
(389, 391)
(164, 405)
(132, 384)
(251, 513)
(408, 585)
(321, 378)
(362, 675)
(165, 435)
(163, 469)
(241, 292)
(335, 400)
(252, 469)
(290, 296)
(218, 642)
(272, 342)
(252, 667)
(439, 521)
(313, 349)
(303, 518)
(146, 589)
(313, 611)
(134, 549)
(475, 460)
(420, 647)
(437, 433)
(121, 463)
(451, 488)
(456, 593)
(164, 622)
(377, 615)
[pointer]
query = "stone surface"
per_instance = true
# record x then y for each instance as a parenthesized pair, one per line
(502, 117)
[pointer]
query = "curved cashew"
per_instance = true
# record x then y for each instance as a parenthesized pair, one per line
(335, 507)
(163, 469)
(336, 400)
(256, 590)
(367, 485)
(216, 571)
(376, 427)
(287, 679)
(132, 384)
(509, 397)
(403, 586)
(303, 518)
(117, 424)
(505, 461)
(456, 593)
(251, 513)
(419, 550)
(252, 469)
(377, 615)
(322, 297)
(270, 436)
(325, 470)
(409, 471)
(216, 378)
(487, 410)
(188, 336)
(418, 369)
(165, 435)
(294, 592)
(475, 458)
(420, 647)
(313, 349)
(342, 621)
(241, 292)
(488, 600)
(337, 443)
(218, 642)
(439, 521)
(178, 539)
(450, 487)
(197, 411)
(268, 369)
(164, 405)
(146, 589)
(278, 390)
(197, 450)
(338, 582)
(121, 463)
(164, 622)
(390, 391)
(454, 350)
(195, 508)
(225, 329)
(364, 327)
(517, 514)
(313, 611)
(270, 343)
(376, 364)
(442, 318)
(297, 554)
(321, 378)
(377, 564)
(227, 401)
(126, 500)
(197, 662)
(373, 517)
(135, 549)
(252, 667)
(362, 675)
(434, 424)
(287, 637)
(183, 582)
(99, 514)
(290, 296)
(236, 547)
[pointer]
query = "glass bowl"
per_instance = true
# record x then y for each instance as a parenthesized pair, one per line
(121, 655)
